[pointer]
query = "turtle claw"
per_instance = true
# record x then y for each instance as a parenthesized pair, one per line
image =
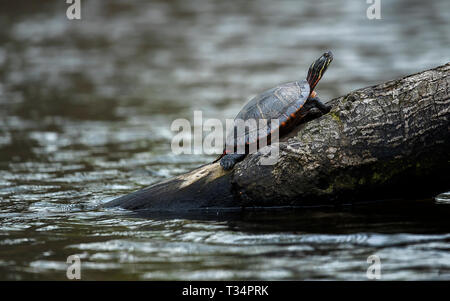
(228, 161)
(324, 108)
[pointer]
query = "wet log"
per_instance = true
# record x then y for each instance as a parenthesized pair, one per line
(386, 141)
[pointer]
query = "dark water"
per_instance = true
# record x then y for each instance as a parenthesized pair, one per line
(85, 114)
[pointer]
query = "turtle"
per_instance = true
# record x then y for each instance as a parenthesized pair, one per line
(287, 103)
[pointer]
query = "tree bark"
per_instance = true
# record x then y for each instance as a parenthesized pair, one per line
(386, 141)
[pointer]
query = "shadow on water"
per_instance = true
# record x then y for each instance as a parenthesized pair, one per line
(395, 216)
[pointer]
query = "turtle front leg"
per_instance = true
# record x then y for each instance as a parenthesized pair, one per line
(320, 105)
(229, 160)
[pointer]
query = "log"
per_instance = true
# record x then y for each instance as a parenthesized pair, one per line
(386, 141)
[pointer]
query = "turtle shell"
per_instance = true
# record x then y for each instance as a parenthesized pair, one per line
(281, 103)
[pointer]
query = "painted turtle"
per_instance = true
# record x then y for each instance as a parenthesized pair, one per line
(288, 103)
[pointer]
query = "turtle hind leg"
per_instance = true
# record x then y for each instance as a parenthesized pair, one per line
(228, 161)
(320, 105)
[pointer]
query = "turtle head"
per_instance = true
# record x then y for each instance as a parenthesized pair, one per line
(318, 68)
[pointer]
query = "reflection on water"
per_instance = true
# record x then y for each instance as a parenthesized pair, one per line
(443, 198)
(325, 243)
(85, 110)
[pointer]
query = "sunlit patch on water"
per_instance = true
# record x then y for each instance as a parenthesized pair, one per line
(443, 198)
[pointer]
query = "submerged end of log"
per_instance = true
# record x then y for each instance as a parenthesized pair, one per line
(206, 186)
(386, 141)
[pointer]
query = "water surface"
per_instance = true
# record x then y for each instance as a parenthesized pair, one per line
(85, 114)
